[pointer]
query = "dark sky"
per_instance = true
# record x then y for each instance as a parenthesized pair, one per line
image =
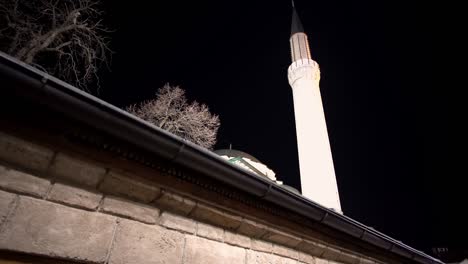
(387, 120)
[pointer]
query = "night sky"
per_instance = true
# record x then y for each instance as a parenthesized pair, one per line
(387, 122)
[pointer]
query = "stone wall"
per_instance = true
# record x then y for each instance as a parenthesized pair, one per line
(69, 207)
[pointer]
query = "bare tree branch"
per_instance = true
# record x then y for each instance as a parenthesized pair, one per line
(171, 111)
(65, 37)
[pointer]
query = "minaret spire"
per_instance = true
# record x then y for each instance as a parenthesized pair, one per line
(299, 44)
(318, 181)
(296, 25)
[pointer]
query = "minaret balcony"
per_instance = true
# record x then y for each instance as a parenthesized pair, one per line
(303, 69)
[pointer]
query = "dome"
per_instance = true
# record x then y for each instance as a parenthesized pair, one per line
(235, 153)
(292, 189)
(247, 162)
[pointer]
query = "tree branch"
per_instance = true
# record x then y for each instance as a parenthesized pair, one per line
(72, 29)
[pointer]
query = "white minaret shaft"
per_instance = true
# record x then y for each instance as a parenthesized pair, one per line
(318, 181)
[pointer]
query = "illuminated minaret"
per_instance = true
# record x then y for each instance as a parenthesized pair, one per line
(318, 181)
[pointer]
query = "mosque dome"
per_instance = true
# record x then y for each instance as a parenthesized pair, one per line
(247, 162)
(292, 189)
(252, 164)
(235, 153)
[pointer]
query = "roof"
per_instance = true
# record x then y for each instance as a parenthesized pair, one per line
(292, 189)
(235, 153)
(296, 24)
(92, 111)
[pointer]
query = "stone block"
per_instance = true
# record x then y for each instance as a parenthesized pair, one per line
(77, 171)
(237, 239)
(321, 261)
(177, 222)
(285, 251)
(306, 258)
(254, 257)
(331, 253)
(216, 217)
(24, 153)
(137, 243)
(129, 209)
(74, 196)
(45, 228)
(280, 237)
(252, 229)
(366, 261)
(175, 203)
(311, 247)
(25, 183)
(261, 245)
(203, 251)
(210, 232)
(346, 257)
(135, 189)
(6, 201)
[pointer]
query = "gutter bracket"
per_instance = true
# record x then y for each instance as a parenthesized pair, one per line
(176, 155)
(44, 81)
(362, 235)
(324, 216)
(267, 191)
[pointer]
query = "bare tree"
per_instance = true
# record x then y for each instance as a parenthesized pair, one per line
(171, 111)
(65, 38)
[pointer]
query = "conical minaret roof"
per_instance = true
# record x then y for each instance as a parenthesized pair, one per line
(296, 24)
(298, 40)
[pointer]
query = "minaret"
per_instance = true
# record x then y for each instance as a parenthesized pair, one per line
(318, 181)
